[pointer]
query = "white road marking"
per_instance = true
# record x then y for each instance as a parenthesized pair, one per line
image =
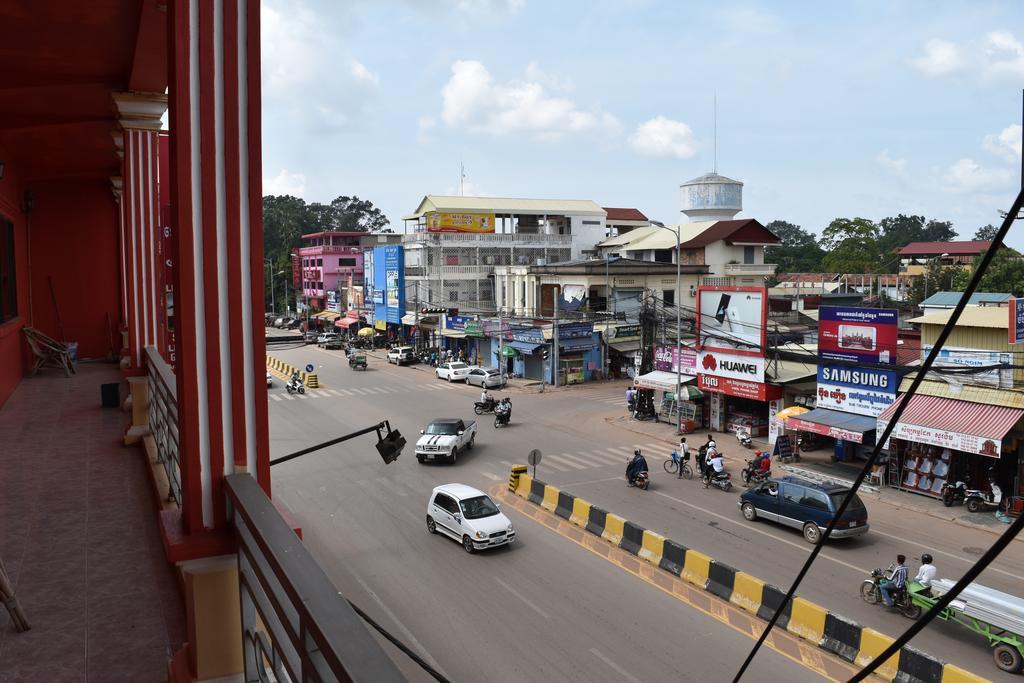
(606, 458)
(347, 392)
(492, 477)
(558, 467)
(576, 462)
(907, 541)
(288, 397)
(526, 602)
(311, 394)
(358, 392)
(409, 637)
(596, 481)
(751, 527)
(274, 396)
(334, 392)
(615, 667)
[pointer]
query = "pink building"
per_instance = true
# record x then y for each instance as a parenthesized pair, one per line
(328, 260)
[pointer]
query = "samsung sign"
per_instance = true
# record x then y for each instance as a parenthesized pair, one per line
(864, 391)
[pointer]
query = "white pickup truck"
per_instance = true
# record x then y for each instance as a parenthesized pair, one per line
(445, 438)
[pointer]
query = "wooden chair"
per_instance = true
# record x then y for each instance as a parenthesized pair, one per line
(48, 352)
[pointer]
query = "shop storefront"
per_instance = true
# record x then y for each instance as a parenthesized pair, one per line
(491, 345)
(739, 404)
(578, 353)
(420, 330)
(850, 436)
(474, 330)
(528, 343)
(623, 343)
(672, 364)
(348, 324)
(455, 339)
(942, 439)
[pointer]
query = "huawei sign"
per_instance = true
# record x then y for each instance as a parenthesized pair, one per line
(734, 366)
(709, 363)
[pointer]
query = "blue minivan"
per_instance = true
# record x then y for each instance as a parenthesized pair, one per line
(806, 505)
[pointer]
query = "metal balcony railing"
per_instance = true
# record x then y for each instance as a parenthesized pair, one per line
(163, 419)
(489, 238)
(750, 268)
(295, 624)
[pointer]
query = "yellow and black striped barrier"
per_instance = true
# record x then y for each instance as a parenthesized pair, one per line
(285, 370)
(829, 631)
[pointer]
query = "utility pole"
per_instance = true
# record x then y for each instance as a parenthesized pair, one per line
(554, 338)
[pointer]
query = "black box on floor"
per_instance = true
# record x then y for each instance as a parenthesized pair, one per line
(110, 394)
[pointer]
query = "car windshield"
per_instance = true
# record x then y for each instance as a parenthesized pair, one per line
(856, 506)
(491, 372)
(442, 428)
(477, 508)
(458, 366)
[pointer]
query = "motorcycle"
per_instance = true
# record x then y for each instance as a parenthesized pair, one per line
(641, 479)
(902, 599)
(295, 385)
(977, 500)
(488, 406)
(502, 413)
(752, 474)
(721, 480)
(954, 493)
(743, 436)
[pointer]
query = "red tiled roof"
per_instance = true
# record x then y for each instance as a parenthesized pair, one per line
(967, 248)
(619, 214)
(744, 230)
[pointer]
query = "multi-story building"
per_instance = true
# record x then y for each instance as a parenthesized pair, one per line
(332, 261)
(454, 243)
(917, 256)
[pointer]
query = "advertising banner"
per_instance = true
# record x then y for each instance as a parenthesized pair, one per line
(528, 335)
(739, 388)
(956, 441)
(492, 329)
(1001, 378)
(795, 423)
(575, 331)
(456, 322)
(474, 328)
(1016, 321)
(624, 332)
(460, 222)
(668, 358)
(731, 365)
(857, 334)
(862, 391)
(732, 319)
(573, 298)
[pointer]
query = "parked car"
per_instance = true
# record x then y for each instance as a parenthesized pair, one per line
(469, 516)
(270, 379)
(485, 377)
(323, 338)
(445, 438)
(293, 325)
(453, 372)
(806, 505)
(401, 355)
(333, 341)
(281, 320)
(310, 337)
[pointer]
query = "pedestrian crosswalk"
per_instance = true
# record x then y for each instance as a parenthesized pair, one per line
(352, 392)
(574, 461)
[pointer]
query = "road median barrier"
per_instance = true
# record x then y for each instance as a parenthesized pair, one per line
(827, 630)
(286, 370)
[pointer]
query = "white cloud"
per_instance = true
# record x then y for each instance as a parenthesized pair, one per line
(285, 183)
(897, 166)
(473, 101)
(750, 20)
(998, 56)
(966, 175)
(1005, 144)
(364, 75)
(940, 58)
(535, 73)
(489, 6)
(663, 137)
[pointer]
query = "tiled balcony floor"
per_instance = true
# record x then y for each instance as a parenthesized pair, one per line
(79, 538)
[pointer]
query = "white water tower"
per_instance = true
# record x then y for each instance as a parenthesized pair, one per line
(711, 197)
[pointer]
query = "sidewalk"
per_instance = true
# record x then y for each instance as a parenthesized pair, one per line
(825, 470)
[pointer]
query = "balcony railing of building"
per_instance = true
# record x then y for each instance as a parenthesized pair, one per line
(163, 419)
(489, 238)
(448, 271)
(295, 624)
(750, 268)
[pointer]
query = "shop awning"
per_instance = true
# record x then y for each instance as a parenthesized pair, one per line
(836, 424)
(381, 325)
(346, 321)
(410, 319)
(661, 380)
(523, 347)
(626, 347)
(454, 334)
(328, 315)
(575, 345)
(959, 425)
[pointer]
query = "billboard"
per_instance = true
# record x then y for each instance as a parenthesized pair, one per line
(732, 319)
(384, 279)
(731, 365)
(1016, 321)
(857, 334)
(438, 221)
(667, 359)
(862, 391)
(984, 359)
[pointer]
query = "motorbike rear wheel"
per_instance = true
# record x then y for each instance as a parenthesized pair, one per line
(909, 609)
(947, 498)
(870, 592)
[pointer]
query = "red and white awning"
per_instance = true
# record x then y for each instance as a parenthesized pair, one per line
(959, 425)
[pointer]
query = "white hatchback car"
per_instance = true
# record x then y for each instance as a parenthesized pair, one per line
(453, 372)
(469, 516)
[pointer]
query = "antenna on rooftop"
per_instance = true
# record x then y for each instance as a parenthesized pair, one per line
(714, 168)
(462, 179)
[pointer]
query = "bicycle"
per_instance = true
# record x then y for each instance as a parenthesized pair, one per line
(675, 463)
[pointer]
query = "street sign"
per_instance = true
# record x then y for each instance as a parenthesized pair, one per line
(309, 367)
(1017, 321)
(533, 458)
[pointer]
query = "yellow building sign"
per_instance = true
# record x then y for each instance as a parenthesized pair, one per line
(460, 222)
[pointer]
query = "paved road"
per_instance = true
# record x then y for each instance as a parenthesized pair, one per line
(550, 601)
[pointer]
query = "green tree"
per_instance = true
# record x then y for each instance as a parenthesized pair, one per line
(899, 231)
(851, 246)
(353, 213)
(1004, 274)
(987, 233)
(936, 278)
(799, 251)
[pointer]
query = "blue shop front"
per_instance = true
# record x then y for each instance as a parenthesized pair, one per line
(579, 353)
(384, 280)
(454, 337)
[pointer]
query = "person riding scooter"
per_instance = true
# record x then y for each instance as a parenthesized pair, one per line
(637, 465)
(503, 411)
(715, 466)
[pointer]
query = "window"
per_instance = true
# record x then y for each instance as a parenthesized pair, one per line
(591, 222)
(346, 262)
(320, 262)
(817, 500)
(8, 276)
(445, 503)
(792, 494)
(453, 296)
(748, 254)
(669, 297)
(663, 256)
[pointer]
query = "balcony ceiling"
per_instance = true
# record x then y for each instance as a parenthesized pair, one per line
(60, 63)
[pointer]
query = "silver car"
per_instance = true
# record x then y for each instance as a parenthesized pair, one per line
(490, 378)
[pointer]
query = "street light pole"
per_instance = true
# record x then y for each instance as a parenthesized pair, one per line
(678, 352)
(270, 269)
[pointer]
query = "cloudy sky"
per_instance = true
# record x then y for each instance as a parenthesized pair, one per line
(824, 109)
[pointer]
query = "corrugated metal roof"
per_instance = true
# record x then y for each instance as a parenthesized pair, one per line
(967, 392)
(973, 316)
(959, 416)
(655, 237)
(962, 248)
(953, 298)
(538, 207)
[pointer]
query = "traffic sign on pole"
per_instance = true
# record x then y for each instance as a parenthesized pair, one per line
(533, 458)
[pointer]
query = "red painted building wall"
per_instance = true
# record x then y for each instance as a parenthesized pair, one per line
(75, 242)
(13, 351)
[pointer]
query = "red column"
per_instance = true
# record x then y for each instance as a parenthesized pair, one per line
(218, 227)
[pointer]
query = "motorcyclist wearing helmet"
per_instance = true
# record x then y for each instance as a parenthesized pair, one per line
(926, 574)
(637, 465)
(765, 466)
